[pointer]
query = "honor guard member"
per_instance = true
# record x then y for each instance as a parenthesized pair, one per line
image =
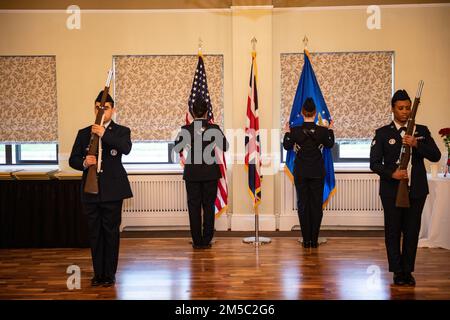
(402, 225)
(201, 171)
(104, 209)
(309, 170)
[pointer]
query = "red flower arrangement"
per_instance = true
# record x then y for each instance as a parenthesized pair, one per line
(445, 134)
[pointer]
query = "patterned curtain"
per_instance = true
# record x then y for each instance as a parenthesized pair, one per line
(357, 87)
(28, 107)
(151, 93)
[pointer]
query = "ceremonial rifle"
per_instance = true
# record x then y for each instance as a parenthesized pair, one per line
(402, 199)
(91, 185)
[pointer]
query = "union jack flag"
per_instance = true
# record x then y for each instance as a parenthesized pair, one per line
(252, 140)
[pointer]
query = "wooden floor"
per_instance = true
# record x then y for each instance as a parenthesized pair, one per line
(169, 269)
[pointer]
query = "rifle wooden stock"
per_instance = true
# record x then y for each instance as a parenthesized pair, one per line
(402, 199)
(91, 184)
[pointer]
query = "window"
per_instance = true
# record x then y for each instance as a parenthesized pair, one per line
(2, 154)
(150, 152)
(38, 153)
(28, 137)
(345, 151)
(151, 94)
(357, 88)
(351, 151)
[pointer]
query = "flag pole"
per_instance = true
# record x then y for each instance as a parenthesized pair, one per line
(256, 225)
(256, 240)
(305, 40)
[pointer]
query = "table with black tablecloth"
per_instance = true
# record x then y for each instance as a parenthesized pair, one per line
(42, 214)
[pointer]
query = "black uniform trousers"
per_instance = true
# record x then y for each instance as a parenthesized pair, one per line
(201, 194)
(309, 206)
(400, 222)
(104, 220)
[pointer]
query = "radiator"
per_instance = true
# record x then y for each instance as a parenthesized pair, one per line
(159, 202)
(355, 202)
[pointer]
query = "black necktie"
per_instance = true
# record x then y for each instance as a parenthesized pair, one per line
(401, 129)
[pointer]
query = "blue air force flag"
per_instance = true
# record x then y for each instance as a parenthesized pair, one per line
(309, 87)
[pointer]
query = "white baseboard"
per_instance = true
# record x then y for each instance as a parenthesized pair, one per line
(222, 223)
(287, 222)
(353, 219)
(246, 222)
(179, 221)
(339, 220)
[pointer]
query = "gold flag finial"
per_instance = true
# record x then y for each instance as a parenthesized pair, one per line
(254, 41)
(200, 46)
(305, 42)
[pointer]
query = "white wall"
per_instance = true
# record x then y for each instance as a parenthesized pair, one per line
(419, 35)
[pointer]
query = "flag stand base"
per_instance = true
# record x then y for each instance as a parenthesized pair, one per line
(261, 240)
(320, 241)
(257, 240)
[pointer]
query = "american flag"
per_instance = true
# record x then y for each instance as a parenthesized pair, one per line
(252, 141)
(200, 91)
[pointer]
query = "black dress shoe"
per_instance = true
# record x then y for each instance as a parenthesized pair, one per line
(96, 281)
(399, 278)
(201, 246)
(409, 279)
(314, 244)
(306, 244)
(109, 281)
